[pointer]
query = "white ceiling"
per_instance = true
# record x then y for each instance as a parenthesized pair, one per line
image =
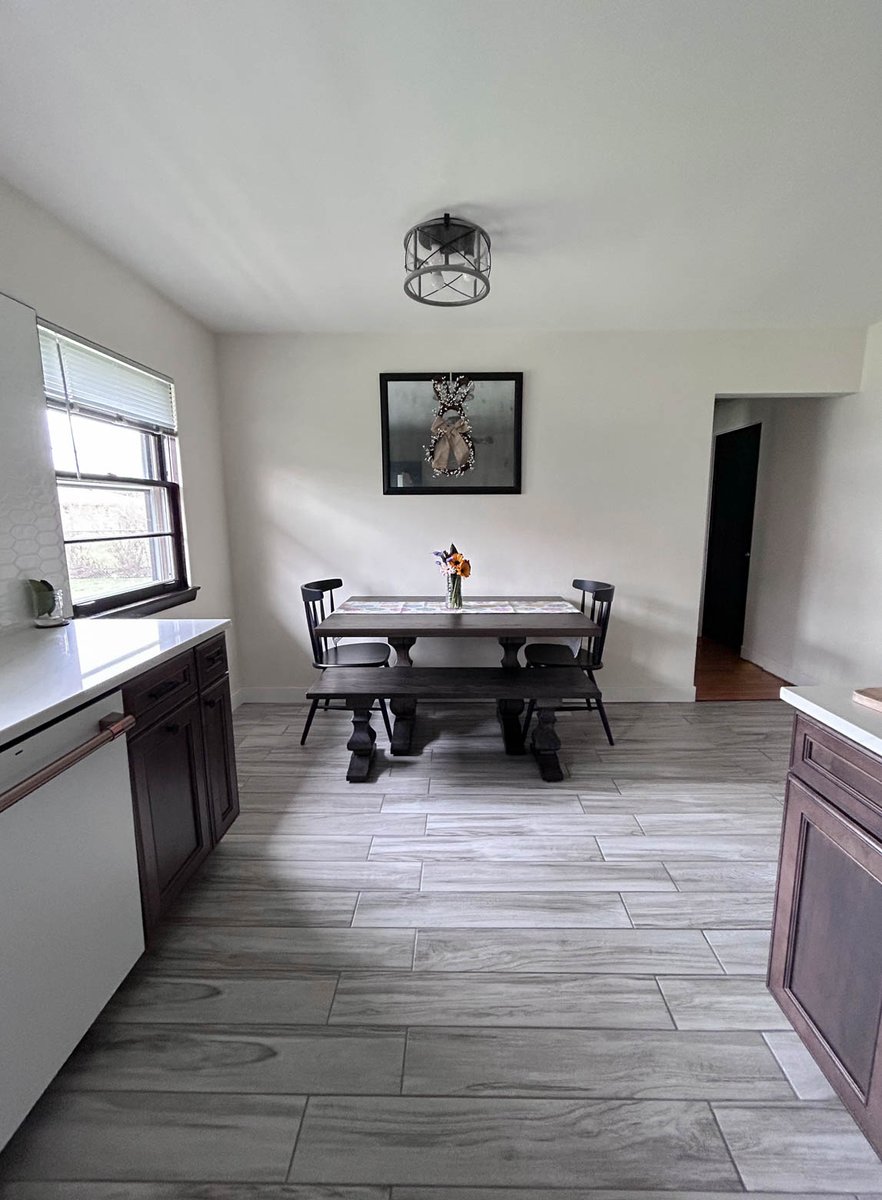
(649, 164)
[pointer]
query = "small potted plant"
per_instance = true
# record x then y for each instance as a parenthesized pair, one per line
(47, 603)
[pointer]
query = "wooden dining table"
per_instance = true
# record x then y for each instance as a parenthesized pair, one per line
(511, 620)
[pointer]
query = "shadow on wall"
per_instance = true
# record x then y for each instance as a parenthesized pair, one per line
(785, 517)
(626, 652)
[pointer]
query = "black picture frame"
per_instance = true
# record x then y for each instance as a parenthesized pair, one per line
(403, 454)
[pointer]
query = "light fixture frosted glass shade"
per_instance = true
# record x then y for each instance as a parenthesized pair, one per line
(447, 262)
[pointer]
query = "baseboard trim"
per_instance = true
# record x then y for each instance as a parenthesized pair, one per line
(760, 659)
(273, 695)
(614, 695)
(647, 695)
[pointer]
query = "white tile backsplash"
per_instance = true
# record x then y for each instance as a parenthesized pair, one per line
(31, 542)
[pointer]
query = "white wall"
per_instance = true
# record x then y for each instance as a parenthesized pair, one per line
(813, 611)
(31, 544)
(617, 438)
(69, 282)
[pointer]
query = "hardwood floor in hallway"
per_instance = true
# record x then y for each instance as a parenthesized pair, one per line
(458, 983)
(722, 674)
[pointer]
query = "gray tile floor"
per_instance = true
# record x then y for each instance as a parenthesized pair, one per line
(458, 983)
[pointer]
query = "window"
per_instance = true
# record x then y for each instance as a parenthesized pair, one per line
(113, 431)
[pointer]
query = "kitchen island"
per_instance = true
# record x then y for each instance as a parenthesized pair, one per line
(825, 968)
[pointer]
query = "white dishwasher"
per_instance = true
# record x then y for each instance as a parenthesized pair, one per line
(70, 906)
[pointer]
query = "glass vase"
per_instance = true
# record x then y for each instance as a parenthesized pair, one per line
(48, 608)
(454, 591)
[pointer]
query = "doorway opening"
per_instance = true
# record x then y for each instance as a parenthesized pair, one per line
(720, 671)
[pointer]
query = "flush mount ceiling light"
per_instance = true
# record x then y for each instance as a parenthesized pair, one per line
(447, 261)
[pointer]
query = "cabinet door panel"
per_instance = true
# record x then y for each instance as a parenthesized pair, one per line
(168, 784)
(826, 962)
(220, 760)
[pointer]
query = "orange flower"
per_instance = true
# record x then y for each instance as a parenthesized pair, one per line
(455, 560)
(465, 568)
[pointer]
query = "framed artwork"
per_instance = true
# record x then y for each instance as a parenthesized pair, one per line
(449, 432)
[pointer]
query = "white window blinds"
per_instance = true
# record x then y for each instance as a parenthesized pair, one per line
(85, 380)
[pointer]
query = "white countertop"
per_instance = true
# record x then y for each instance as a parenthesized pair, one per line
(832, 705)
(45, 673)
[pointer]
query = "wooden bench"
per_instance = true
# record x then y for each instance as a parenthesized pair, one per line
(359, 687)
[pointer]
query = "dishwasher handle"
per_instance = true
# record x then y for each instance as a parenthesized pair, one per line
(112, 726)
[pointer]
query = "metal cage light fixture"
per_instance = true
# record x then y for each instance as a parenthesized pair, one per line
(447, 261)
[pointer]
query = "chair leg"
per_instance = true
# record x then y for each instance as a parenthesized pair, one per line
(531, 708)
(385, 712)
(602, 711)
(309, 717)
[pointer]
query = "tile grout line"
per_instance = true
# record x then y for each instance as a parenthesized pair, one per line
(764, 1034)
(664, 867)
(333, 999)
(729, 1152)
(404, 1060)
(296, 1141)
(664, 1001)
(703, 933)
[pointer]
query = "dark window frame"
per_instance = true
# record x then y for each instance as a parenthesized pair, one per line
(163, 452)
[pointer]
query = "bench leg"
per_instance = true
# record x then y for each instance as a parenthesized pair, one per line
(546, 743)
(509, 713)
(404, 712)
(361, 743)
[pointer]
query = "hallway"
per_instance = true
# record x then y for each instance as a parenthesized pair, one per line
(721, 674)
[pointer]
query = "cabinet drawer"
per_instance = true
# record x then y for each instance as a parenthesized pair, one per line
(846, 774)
(157, 691)
(211, 660)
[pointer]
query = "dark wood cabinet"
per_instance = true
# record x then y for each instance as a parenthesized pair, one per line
(220, 757)
(171, 805)
(183, 769)
(825, 969)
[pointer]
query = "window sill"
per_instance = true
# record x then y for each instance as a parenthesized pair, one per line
(146, 608)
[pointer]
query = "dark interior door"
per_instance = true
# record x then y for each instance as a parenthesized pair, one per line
(733, 494)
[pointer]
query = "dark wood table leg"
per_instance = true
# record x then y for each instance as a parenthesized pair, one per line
(545, 743)
(402, 647)
(361, 743)
(404, 711)
(510, 647)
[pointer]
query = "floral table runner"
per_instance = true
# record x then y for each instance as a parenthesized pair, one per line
(490, 605)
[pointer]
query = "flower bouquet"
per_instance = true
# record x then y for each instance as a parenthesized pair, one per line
(456, 568)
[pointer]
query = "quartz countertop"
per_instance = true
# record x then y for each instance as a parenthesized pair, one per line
(45, 673)
(832, 705)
